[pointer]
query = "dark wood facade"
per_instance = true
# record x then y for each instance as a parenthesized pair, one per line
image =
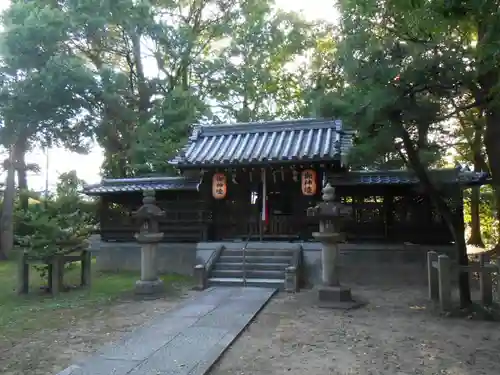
(386, 206)
(187, 217)
(390, 213)
(239, 214)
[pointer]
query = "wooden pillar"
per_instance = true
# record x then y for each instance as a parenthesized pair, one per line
(57, 263)
(86, 261)
(388, 213)
(263, 202)
(103, 215)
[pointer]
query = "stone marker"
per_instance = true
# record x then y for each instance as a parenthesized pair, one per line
(200, 275)
(331, 213)
(291, 282)
(149, 236)
(432, 276)
(485, 280)
(444, 275)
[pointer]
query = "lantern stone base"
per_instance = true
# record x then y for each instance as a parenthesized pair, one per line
(336, 297)
(143, 287)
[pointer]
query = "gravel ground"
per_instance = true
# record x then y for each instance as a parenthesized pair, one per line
(395, 333)
(49, 351)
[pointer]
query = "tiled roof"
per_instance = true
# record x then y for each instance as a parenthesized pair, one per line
(402, 177)
(266, 142)
(140, 184)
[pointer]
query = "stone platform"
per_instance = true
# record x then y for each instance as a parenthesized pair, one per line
(336, 297)
(187, 340)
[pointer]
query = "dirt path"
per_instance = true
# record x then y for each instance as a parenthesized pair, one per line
(50, 351)
(394, 334)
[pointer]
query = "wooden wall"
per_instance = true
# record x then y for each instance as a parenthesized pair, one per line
(186, 216)
(380, 213)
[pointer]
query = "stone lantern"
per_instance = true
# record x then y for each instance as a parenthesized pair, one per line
(148, 237)
(331, 216)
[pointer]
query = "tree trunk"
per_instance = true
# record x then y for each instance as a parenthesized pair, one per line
(475, 222)
(492, 142)
(456, 228)
(475, 199)
(7, 218)
(496, 193)
(20, 149)
(476, 238)
(142, 87)
(488, 78)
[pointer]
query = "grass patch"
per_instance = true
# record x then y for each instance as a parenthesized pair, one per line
(22, 314)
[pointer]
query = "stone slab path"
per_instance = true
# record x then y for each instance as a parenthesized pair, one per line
(187, 340)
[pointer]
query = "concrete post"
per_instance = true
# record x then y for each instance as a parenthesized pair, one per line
(291, 280)
(200, 274)
(432, 276)
(485, 282)
(444, 276)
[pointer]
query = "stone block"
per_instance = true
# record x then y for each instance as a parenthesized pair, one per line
(334, 294)
(444, 275)
(200, 275)
(485, 281)
(179, 356)
(191, 310)
(432, 276)
(291, 280)
(143, 287)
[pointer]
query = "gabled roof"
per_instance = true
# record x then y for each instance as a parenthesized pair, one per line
(268, 142)
(405, 177)
(122, 185)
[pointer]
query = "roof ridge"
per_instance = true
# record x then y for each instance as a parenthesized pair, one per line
(267, 126)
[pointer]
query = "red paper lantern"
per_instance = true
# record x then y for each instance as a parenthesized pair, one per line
(219, 186)
(308, 182)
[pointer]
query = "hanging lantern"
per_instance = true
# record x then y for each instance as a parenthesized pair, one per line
(308, 181)
(219, 186)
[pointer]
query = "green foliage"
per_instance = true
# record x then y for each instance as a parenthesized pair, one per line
(80, 68)
(489, 223)
(56, 225)
(45, 88)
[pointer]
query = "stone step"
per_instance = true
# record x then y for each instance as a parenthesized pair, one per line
(251, 274)
(238, 281)
(251, 266)
(253, 259)
(258, 252)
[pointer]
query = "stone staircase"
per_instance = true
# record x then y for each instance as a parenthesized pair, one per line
(259, 267)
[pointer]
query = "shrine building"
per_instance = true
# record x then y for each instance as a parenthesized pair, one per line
(249, 186)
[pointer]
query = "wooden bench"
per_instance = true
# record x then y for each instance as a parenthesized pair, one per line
(55, 265)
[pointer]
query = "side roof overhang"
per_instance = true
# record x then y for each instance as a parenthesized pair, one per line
(405, 177)
(130, 185)
(264, 143)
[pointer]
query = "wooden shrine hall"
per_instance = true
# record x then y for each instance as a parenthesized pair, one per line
(256, 180)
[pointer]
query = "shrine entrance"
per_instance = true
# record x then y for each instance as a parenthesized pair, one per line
(244, 215)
